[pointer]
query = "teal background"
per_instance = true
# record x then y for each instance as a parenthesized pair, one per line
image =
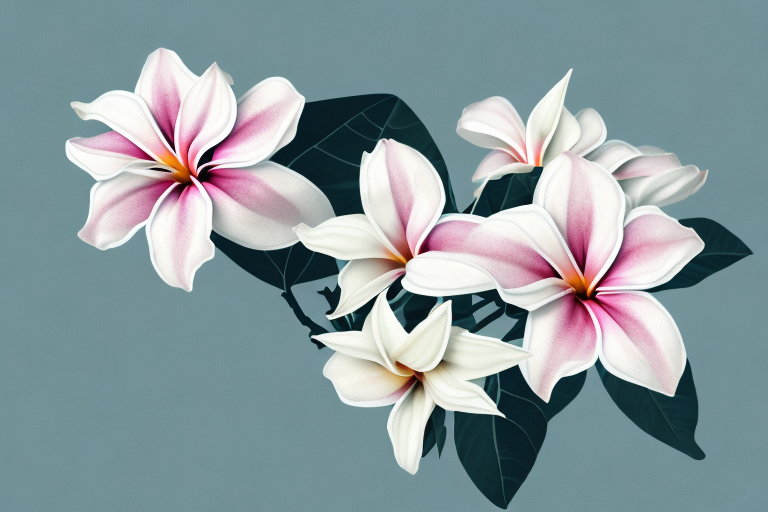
(119, 393)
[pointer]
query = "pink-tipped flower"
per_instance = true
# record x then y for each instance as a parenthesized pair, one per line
(517, 148)
(578, 266)
(184, 158)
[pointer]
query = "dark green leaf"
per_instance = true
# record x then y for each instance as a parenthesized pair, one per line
(507, 192)
(435, 432)
(565, 390)
(416, 309)
(671, 420)
(721, 249)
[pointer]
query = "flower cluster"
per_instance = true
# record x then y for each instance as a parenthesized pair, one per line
(575, 264)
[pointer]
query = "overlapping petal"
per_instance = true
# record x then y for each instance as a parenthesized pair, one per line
(494, 124)
(471, 356)
(613, 154)
(349, 237)
(492, 163)
(107, 155)
(362, 280)
(543, 122)
(363, 383)
(453, 394)
(406, 425)
(424, 347)
(664, 189)
(593, 132)
(567, 133)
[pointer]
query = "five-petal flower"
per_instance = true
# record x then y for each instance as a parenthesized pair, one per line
(578, 266)
(185, 158)
(433, 364)
(517, 148)
(402, 197)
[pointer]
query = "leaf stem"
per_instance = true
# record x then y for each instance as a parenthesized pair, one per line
(314, 329)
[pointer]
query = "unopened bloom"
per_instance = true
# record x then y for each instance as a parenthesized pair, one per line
(578, 266)
(185, 158)
(433, 364)
(517, 148)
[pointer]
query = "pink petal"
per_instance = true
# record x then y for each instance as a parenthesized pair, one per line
(647, 165)
(566, 135)
(121, 206)
(267, 117)
(641, 342)
(127, 114)
(543, 121)
(593, 132)
(207, 115)
(363, 383)
(258, 207)
(587, 206)
(178, 231)
(163, 83)
(105, 156)
(493, 161)
(563, 338)
(613, 154)
(402, 195)
(655, 248)
(494, 124)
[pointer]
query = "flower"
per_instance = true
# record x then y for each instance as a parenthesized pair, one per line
(402, 197)
(578, 266)
(185, 158)
(383, 365)
(648, 175)
(517, 148)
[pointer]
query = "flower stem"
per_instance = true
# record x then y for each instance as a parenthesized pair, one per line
(314, 329)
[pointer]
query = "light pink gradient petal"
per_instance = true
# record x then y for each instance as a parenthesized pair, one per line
(121, 206)
(655, 248)
(587, 205)
(258, 207)
(566, 135)
(613, 154)
(563, 338)
(494, 124)
(362, 280)
(402, 195)
(543, 120)
(641, 342)
(107, 155)
(593, 132)
(163, 83)
(493, 161)
(647, 165)
(206, 116)
(179, 231)
(363, 383)
(267, 117)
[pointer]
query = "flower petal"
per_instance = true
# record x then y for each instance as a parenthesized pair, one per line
(121, 206)
(613, 154)
(356, 344)
(163, 83)
(424, 347)
(107, 155)
(387, 333)
(179, 233)
(471, 356)
(362, 280)
(513, 168)
(664, 189)
(563, 339)
(206, 116)
(453, 394)
(258, 207)
(402, 195)
(587, 206)
(127, 114)
(493, 161)
(436, 274)
(267, 117)
(566, 135)
(543, 120)
(494, 124)
(655, 248)
(406, 426)
(593, 132)
(641, 342)
(647, 165)
(349, 237)
(363, 383)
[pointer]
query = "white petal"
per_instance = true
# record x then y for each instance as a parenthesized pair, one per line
(613, 154)
(357, 344)
(107, 155)
(494, 124)
(664, 189)
(543, 120)
(566, 135)
(363, 383)
(437, 275)
(387, 332)
(471, 356)
(362, 280)
(406, 426)
(453, 394)
(424, 347)
(349, 237)
(491, 163)
(593, 132)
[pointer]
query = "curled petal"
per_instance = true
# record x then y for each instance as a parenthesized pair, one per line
(163, 83)
(664, 189)
(121, 206)
(258, 207)
(647, 165)
(179, 233)
(436, 274)
(513, 168)
(207, 115)
(593, 132)
(107, 155)
(566, 135)
(424, 347)
(587, 205)
(349, 237)
(641, 342)
(387, 332)
(362, 280)
(356, 344)
(364, 383)
(613, 154)
(655, 248)
(267, 117)
(494, 124)
(406, 425)
(471, 356)
(563, 338)
(543, 120)
(453, 394)
(402, 196)
(492, 162)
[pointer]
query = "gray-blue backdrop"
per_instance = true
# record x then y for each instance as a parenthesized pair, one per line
(119, 393)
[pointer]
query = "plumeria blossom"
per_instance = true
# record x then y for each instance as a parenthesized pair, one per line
(184, 157)
(402, 197)
(648, 175)
(578, 266)
(384, 365)
(517, 148)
